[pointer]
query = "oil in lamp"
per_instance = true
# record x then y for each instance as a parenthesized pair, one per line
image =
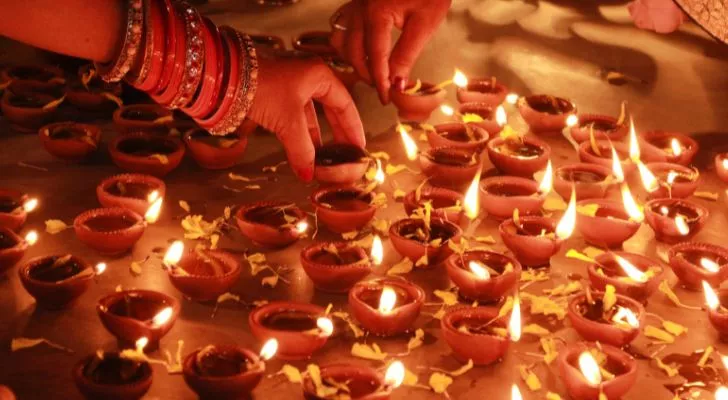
(386, 307)
(501, 195)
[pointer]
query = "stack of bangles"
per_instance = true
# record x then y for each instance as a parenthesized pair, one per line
(183, 61)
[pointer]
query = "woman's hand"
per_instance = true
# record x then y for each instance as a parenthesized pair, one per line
(284, 105)
(366, 42)
(662, 16)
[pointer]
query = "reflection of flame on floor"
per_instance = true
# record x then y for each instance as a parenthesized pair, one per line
(617, 78)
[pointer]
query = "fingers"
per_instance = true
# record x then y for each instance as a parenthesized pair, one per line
(417, 31)
(298, 146)
(314, 131)
(378, 37)
(354, 48)
(338, 36)
(340, 110)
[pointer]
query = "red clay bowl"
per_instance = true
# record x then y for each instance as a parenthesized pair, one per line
(315, 42)
(91, 97)
(199, 281)
(265, 226)
(112, 383)
(128, 315)
(719, 318)
(605, 128)
(500, 195)
(525, 160)
(215, 152)
(293, 343)
(684, 259)
(580, 389)
(454, 135)
(335, 273)
(683, 186)
(343, 208)
(340, 164)
(138, 153)
(602, 332)
(419, 106)
(530, 250)
(110, 231)
(589, 180)
(224, 383)
(640, 291)
(610, 227)
(364, 304)
(485, 112)
(652, 145)
(28, 105)
(38, 73)
(483, 290)
(482, 91)
(137, 188)
(414, 249)
(449, 166)
(482, 348)
(545, 114)
(12, 214)
(70, 140)
(664, 226)
(12, 249)
(363, 382)
(720, 170)
(586, 155)
(57, 290)
(441, 200)
(149, 118)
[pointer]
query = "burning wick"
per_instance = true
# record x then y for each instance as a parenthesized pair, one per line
(31, 238)
(447, 110)
(174, 253)
(379, 176)
(634, 146)
(711, 299)
(153, 196)
(514, 324)
(572, 120)
(326, 326)
(100, 268)
(387, 300)
(152, 214)
(480, 271)
(301, 227)
(410, 147)
(590, 368)
(721, 393)
(140, 344)
(394, 375)
(617, 167)
(516, 393)
(30, 205)
(512, 98)
(676, 148)
(626, 316)
(547, 182)
(377, 252)
(648, 178)
(709, 265)
(269, 349)
(162, 317)
(632, 272)
(500, 116)
(633, 210)
(682, 225)
(459, 79)
(471, 203)
(566, 225)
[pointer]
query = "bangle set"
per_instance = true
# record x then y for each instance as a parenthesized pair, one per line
(183, 61)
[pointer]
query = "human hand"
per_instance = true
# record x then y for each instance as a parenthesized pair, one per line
(284, 105)
(662, 16)
(366, 42)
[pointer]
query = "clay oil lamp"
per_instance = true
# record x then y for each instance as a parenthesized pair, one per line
(608, 318)
(146, 154)
(215, 151)
(601, 127)
(675, 220)
(483, 275)
(226, 372)
(544, 113)
(449, 166)
(336, 381)
(343, 208)
(12, 247)
(336, 267)
(56, 281)
(534, 239)
(299, 328)
(608, 223)
(37, 73)
(113, 231)
(28, 105)
(315, 42)
(631, 274)
(417, 101)
(91, 93)
(272, 224)
(673, 147)
(70, 140)
(386, 307)
(595, 370)
(501, 195)
(591, 181)
(717, 309)
(604, 153)
(106, 375)
(480, 115)
(446, 204)
(201, 274)
(14, 208)
(514, 154)
(338, 163)
(721, 166)
(135, 192)
(486, 91)
(149, 118)
(132, 314)
(479, 334)
(458, 135)
(673, 180)
(418, 238)
(695, 262)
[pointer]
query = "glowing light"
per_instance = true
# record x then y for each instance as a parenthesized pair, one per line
(724, 360)
(512, 98)
(269, 349)
(516, 393)
(682, 225)
(632, 272)
(325, 325)
(100, 268)
(589, 368)
(377, 252)
(572, 120)
(395, 374)
(379, 176)
(153, 196)
(174, 253)
(514, 324)
(152, 214)
(671, 176)
(711, 299)
(634, 145)
(721, 393)
(725, 163)
(676, 148)
(479, 270)
(31, 238)
(447, 110)
(547, 182)
(410, 147)
(709, 265)
(141, 343)
(648, 178)
(162, 317)
(471, 202)
(501, 118)
(617, 170)
(565, 227)
(301, 227)
(664, 210)
(387, 300)
(627, 317)
(630, 205)
(459, 79)
(30, 205)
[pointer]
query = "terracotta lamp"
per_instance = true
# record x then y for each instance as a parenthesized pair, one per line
(618, 325)
(340, 164)
(271, 224)
(675, 220)
(663, 146)
(223, 372)
(458, 135)
(606, 223)
(482, 275)
(717, 311)
(414, 239)
(533, 240)
(110, 231)
(347, 381)
(523, 156)
(13, 206)
(204, 275)
(335, 267)
(632, 275)
(386, 307)
(91, 93)
(144, 153)
(695, 262)
(149, 118)
(131, 191)
(475, 333)
(343, 208)
(215, 151)
(70, 140)
(603, 127)
(601, 154)
(112, 377)
(674, 180)
(12, 249)
(544, 113)
(416, 104)
(590, 181)
(449, 166)
(28, 105)
(446, 204)
(480, 115)
(56, 281)
(501, 195)
(612, 372)
(486, 91)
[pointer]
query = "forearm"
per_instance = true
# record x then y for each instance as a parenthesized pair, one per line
(90, 29)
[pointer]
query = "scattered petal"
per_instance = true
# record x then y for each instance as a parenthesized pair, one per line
(448, 298)
(350, 235)
(398, 194)
(531, 380)
(422, 262)
(401, 267)
(535, 329)
(417, 340)
(21, 343)
(463, 370)
(706, 356)
(439, 382)
(54, 226)
(669, 370)
(369, 352)
(184, 205)
(394, 169)
(292, 373)
(577, 255)
(549, 348)
(667, 291)
(657, 333)
(485, 239)
(674, 328)
(554, 203)
(161, 158)
(135, 268)
(270, 281)
(706, 195)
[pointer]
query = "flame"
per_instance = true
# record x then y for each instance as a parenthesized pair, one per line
(141, 343)
(633, 272)
(153, 196)
(516, 393)
(479, 270)
(617, 170)
(471, 203)
(377, 252)
(671, 176)
(174, 253)
(711, 299)
(395, 374)
(721, 393)
(634, 145)
(725, 163)
(547, 182)
(326, 326)
(709, 265)
(410, 147)
(630, 205)
(676, 147)
(626, 316)
(724, 360)
(648, 178)
(162, 317)
(387, 300)
(379, 176)
(682, 225)
(512, 98)
(572, 120)
(447, 110)
(269, 349)
(459, 79)
(100, 268)
(31, 238)
(565, 227)
(589, 368)
(301, 227)
(30, 205)
(514, 324)
(502, 119)
(152, 214)
(664, 210)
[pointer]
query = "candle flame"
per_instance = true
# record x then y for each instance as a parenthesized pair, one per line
(447, 110)
(141, 343)
(617, 170)
(31, 238)
(377, 252)
(648, 178)
(565, 227)
(516, 393)
(100, 268)
(459, 79)
(590, 368)
(162, 317)
(152, 214)
(471, 203)
(379, 176)
(721, 393)
(547, 182)
(630, 205)
(711, 299)
(387, 300)
(725, 163)
(269, 349)
(634, 145)
(514, 324)
(671, 176)
(664, 210)
(410, 147)
(512, 98)
(30, 205)
(633, 272)
(572, 120)
(153, 196)
(301, 227)
(676, 147)
(626, 316)
(501, 118)
(395, 374)
(174, 253)
(325, 325)
(682, 225)
(724, 360)
(479, 270)
(709, 265)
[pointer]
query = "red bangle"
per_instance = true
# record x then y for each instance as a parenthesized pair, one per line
(202, 104)
(230, 85)
(117, 69)
(168, 92)
(140, 66)
(154, 50)
(194, 60)
(170, 33)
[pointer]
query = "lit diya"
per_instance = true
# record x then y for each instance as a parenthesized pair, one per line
(215, 151)
(424, 238)
(337, 381)
(132, 314)
(12, 247)
(609, 223)
(675, 220)
(56, 281)
(721, 166)
(272, 224)
(515, 154)
(458, 135)
(481, 115)
(632, 275)
(344, 208)
(695, 262)
(335, 267)
(70, 140)
(106, 375)
(662, 146)
(601, 127)
(446, 204)
(110, 231)
(449, 166)
(28, 105)
(604, 153)
(501, 195)
(135, 192)
(593, 370)
(146, 154)
(150, 118)
(201, 274)
(417, 101)
(717, 311)
(91, 93)
(386, 307)
(486, 91)
(339, 163)
(299, 328)
(544, 113)
(590, 181)
(14, 208)
(483, 275)
(606, 317)
(673, 180)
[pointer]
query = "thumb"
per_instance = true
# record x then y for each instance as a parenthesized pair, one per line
(298, 146)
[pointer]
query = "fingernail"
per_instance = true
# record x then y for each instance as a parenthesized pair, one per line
(399, 83)
(306, 174)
